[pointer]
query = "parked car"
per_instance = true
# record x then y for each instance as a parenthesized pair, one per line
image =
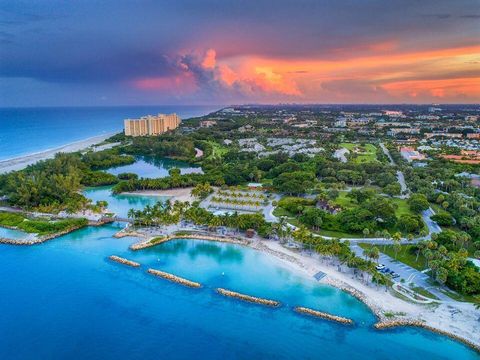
(380, 266)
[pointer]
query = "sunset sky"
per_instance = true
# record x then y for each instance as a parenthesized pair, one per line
(233, 52)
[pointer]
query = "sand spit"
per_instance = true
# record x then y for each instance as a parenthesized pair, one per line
(150, 243)
(244, 297)
(123, 261)
(174, 278)
(21, 162)
(323, 315)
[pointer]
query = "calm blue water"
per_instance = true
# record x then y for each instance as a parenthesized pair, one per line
(27, 130)
(65, 300)
(148, 167)
(143, 167)
(12, 234)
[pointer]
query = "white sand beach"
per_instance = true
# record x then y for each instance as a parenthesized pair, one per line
(452, 317)
(180, 194)
(21, 162)
(458, 318)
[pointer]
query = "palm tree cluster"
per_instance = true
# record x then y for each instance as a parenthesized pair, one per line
(164, 213)
(341, 250)
(235, 203)
(240, 194)
(446, 255)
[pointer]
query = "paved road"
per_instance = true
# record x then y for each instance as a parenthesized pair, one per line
(403, 185)
(386, 152)
(433, 227)
(409, 274)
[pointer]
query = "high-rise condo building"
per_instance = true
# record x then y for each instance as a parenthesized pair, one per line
(151, 124)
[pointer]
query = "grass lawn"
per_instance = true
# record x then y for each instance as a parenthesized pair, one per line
(402, 207)
(369, 152)
(404, 255)
(278, 211)
(344, 201)
(217, 149)
(463, 298)
(424, 292)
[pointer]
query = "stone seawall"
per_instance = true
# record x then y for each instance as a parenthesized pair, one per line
(37, 240)
(174, 278)
(225, 239)
(323, 315)
(388, 324)
(244, 297)
(123, 261)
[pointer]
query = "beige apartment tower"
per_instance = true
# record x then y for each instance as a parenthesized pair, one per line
(151, 124)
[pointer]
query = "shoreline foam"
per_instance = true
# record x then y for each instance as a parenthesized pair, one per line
(20, 162)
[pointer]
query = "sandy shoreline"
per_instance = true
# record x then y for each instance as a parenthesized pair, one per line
(180, 194)
(451, 318)
(21, 162)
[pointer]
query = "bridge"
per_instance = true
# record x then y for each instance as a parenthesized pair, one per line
(117, 218)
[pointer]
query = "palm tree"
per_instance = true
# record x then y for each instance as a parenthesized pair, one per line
(397, 237)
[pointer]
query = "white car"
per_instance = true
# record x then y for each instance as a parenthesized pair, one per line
(380, 267)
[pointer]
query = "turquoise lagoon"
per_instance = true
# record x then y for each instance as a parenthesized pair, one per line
(65, 300)
(120, 204)
(145, 167)
(149, 167)
(13, 234)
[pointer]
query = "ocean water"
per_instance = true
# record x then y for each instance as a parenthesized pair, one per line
(65, 300)
(28, 130)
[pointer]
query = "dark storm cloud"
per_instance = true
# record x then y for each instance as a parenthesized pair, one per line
(141, 34)
(117, 41)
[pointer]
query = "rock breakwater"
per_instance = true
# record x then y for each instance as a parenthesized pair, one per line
(416, 323)
(323, 315)
(248, 298)
(225, 239)
(174, 278)
(123, 261)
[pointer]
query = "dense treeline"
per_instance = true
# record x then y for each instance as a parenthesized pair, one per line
(38, 226)
(369, 214)
(447, 257)
(167, 145)
(53, 184)
(166, 213)
(458, 201)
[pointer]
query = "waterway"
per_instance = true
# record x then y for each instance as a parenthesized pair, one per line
(149, 167)
(65, 300)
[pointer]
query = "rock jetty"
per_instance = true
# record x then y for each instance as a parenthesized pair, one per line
(225, 239)
(323, 315)
(252, 299)
(409, 322)
(174, 278)
(123, 261)
(37, 239)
